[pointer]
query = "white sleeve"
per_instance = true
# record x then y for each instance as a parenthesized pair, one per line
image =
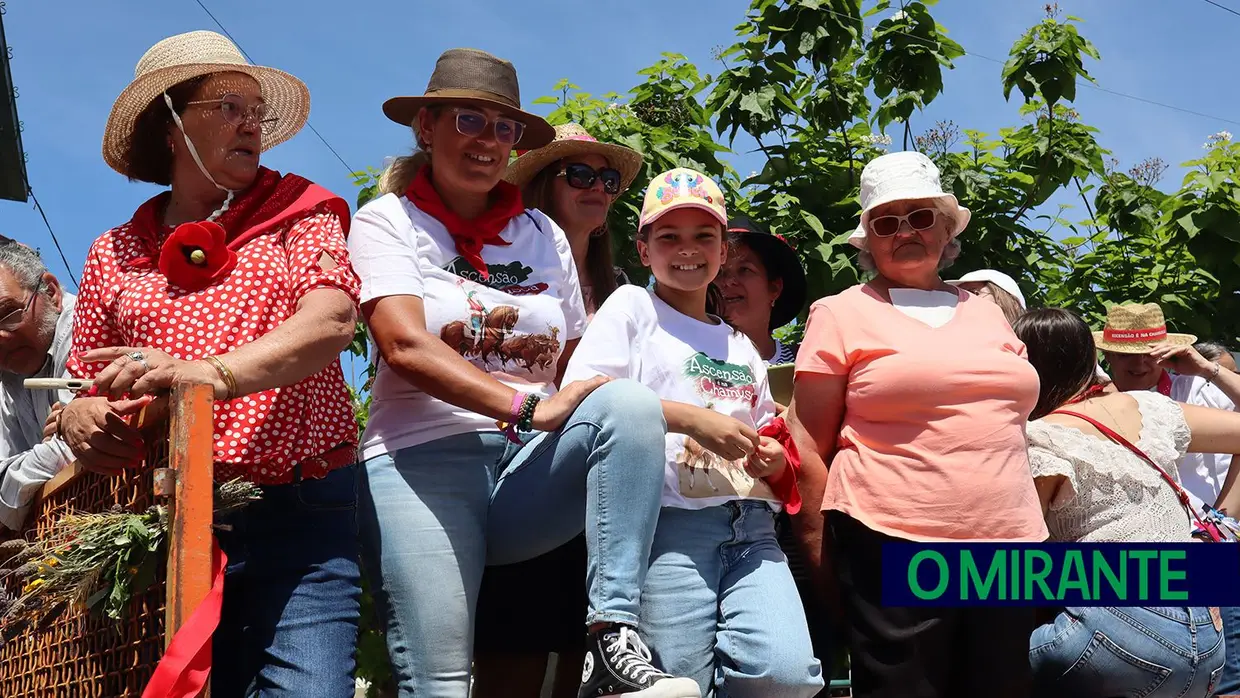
(24, 467)
(764, 410)
(575, 318)
(608, 347)
(383, 249)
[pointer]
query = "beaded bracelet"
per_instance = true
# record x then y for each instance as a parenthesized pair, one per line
(525, 416)
(1214, 375)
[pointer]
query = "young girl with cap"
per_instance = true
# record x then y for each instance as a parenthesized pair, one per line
(477, 452)
(719, 603)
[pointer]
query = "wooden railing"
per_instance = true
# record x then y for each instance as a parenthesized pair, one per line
(86, 655)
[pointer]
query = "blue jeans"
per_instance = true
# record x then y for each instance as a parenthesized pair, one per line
(292, 591)
(720, 605)
(1133, 652)
(1230, 682)
(434, 515)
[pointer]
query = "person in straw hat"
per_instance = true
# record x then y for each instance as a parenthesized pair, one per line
(924, 368)
(239, 278)
(475, 452)
(1142, 354)
(574, 180)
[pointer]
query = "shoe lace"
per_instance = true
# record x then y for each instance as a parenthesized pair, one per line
(630, 655)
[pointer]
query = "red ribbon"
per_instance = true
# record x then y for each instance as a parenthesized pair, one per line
(1153, 333)
(185, 667)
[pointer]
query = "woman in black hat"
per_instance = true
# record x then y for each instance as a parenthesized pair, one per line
(763, 288)
(474, 453)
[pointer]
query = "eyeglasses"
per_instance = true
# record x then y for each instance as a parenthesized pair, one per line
(12, 321)
(921, 219)
(235, 111)
(473, 123)
(581, 176)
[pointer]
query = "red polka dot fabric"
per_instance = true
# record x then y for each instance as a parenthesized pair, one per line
(258, 437)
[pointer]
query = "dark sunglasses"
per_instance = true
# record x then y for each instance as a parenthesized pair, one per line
(921, 219)
(580, 176)
(236, 112)
(473, 123)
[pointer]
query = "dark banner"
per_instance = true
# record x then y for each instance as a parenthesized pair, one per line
(12, 159)
(1061, 574)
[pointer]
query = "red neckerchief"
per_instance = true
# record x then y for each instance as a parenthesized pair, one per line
(469, 235)
(1164, 384)
(271, 195)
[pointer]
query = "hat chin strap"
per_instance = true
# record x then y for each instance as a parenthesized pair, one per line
(176, 118)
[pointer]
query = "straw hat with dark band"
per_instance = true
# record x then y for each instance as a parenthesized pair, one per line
(185, 56)
(1133, 328)
(573, 140)
(467, 75)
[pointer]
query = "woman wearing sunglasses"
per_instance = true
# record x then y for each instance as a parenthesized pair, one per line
(239, 278)
(474, 453)
(574, 180)
(930, 448)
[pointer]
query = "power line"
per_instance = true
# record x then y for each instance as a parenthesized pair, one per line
(1223, 7)
(309, 125)
(55, 242)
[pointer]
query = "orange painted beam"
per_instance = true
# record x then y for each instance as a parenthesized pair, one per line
(190, 450)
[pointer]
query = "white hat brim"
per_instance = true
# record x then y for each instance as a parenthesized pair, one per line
(287, 98)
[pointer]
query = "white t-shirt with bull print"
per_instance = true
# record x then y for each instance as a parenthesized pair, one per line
(636, 335)
(513, 325)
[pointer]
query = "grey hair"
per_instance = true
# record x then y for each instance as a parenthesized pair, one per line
(24, 263)
(865, 260)
(1211, 350)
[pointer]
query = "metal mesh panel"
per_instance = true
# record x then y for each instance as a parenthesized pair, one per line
(85, 655)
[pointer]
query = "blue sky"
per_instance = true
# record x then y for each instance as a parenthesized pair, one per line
(71, 59)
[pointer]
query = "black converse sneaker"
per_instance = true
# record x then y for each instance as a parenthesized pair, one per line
(618, 663)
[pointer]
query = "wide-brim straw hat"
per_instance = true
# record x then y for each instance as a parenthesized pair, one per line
(571, 140)
(470, 76)
(1133, 328)
(903, 176)
(186, 56)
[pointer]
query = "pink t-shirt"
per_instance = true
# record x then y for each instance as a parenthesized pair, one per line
(932, 443)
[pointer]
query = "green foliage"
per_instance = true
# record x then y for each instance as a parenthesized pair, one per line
(1046, 62)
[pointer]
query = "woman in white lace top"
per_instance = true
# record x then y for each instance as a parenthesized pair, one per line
(1093, 489)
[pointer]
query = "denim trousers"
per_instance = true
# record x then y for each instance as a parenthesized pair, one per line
(292, 592)
(1230, 681)
(1150, 652)
(434, 515)
(720, 605)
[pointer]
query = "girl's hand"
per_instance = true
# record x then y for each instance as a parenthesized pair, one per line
(550, 414)
(768, 460)
(724, 436)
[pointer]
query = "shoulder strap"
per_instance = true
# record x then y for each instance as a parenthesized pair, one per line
(1117, 438)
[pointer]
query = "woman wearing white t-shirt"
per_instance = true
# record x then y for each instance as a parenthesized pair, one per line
(466, 344)
(719, 603)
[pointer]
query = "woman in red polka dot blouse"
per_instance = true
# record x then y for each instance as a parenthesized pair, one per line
(238, 277)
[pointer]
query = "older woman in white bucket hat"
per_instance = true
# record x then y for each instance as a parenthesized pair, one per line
(239, 278)
(930, 448)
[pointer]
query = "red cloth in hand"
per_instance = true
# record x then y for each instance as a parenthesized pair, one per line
(785, 485)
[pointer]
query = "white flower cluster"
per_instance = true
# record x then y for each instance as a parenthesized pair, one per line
(1217, 139)
(878, 140)
(899, 15)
